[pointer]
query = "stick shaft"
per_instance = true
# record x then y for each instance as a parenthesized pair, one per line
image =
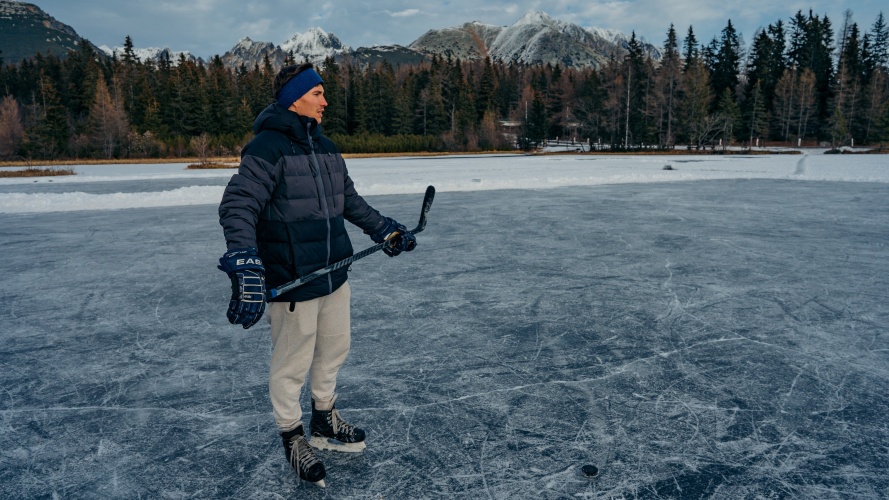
(427, 204)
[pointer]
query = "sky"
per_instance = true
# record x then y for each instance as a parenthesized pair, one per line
(209, 27)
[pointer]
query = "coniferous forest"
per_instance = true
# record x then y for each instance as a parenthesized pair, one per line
(801, 81)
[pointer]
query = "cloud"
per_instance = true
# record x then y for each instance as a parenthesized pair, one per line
(194, 7)
(405, 13)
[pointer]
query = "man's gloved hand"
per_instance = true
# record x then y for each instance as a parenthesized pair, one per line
(396, 234)
(247, 304)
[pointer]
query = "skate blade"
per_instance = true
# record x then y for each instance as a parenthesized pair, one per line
(323, 443)
(319, 483)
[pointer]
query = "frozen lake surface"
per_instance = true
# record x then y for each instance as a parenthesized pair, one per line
(714, 331)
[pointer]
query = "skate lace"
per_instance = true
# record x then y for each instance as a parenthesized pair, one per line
(301, 456)
(338, 424)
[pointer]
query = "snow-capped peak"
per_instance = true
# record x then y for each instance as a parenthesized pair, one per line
(610, 34)
(150, 53)
(535, 17)
(245, 42)
(315, 42)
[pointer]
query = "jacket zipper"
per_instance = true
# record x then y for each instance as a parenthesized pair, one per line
(319, 183)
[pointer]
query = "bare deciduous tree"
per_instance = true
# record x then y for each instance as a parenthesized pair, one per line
(201, 146)
(12, 132)
(108, 121)
(695, 106)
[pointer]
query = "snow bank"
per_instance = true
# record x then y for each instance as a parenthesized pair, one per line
(382, 176)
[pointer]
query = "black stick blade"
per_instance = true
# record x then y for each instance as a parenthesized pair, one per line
(427, 204)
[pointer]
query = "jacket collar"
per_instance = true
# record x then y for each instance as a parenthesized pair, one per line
(296, 127)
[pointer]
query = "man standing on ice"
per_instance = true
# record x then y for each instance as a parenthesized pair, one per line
(283, 215)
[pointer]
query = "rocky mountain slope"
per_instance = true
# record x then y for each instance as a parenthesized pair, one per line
(536, 38)
(25, 30)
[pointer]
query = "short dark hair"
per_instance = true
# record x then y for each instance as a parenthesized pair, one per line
(287, 73)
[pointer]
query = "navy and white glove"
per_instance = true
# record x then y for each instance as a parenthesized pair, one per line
(247, 304)
(400, 240)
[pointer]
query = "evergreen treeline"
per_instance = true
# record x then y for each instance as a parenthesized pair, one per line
(797, 81)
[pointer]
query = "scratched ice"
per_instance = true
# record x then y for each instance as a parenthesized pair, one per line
(713, 331)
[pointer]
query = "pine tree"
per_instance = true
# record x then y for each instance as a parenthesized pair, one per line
(166, 95)
(334, 93)
(667, 90)
(726, 62)
(849, 82)
(537, 123)
(221, 100)
(882, 125)
(756, 120)
(79, 76)
(874, 91)
(690, 52)
(153, 123)
(465, 115)
(778, 59)
(728, 109)
(614, 94)
(839, 129)
(811, 47)
(402, 112)
(49, 137)
(435, 116)
(760, 67)
(484, 98)
(189, 98)
(877, 98)
(879, 51)
(129, 55)
(589, 108)
(638, 85)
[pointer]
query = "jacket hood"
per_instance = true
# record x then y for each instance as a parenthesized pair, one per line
(278, 118)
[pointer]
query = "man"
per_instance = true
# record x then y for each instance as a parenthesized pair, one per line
(283, 217)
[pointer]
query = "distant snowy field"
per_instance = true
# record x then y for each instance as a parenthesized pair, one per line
(718, 330)
(452, 173)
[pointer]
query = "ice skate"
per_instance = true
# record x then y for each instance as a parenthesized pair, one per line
(330, 432)
(302, 458)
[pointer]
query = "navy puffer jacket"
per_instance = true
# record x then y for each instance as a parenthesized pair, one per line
(289, 199)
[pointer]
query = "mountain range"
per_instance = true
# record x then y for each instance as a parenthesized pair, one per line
(534, 39)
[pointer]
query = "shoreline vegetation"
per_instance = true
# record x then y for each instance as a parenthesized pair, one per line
(58, 167)
(37, 172)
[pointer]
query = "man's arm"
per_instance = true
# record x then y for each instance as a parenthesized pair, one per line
(244, 198)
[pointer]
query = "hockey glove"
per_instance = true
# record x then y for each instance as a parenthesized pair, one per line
(400, 240)
(247, 303)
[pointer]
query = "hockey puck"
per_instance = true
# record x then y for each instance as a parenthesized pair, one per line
(590, 470)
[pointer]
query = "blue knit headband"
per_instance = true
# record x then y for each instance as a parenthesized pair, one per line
(298, 86)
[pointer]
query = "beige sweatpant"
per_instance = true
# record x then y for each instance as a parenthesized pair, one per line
(312, 339)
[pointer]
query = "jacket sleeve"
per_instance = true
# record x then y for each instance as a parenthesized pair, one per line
(244, 198)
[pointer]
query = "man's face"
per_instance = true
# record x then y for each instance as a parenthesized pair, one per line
(312, 104)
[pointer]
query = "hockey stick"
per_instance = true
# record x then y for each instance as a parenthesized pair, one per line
(427, 204)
